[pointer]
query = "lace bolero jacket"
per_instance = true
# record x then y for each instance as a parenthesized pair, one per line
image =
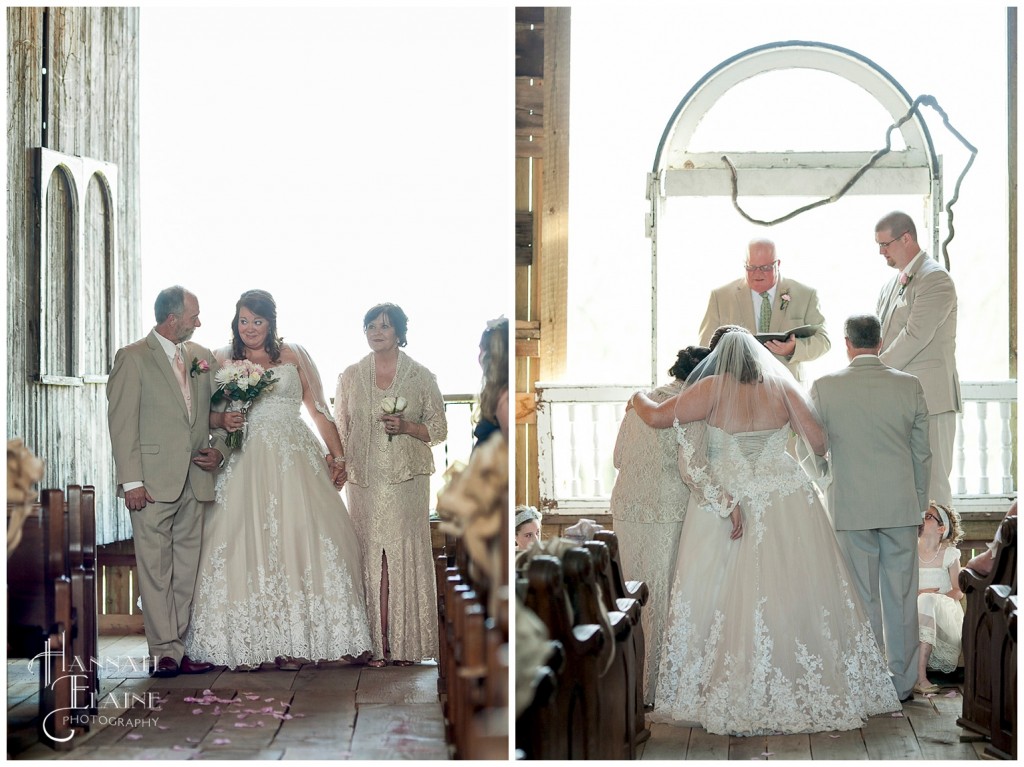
(357, 412)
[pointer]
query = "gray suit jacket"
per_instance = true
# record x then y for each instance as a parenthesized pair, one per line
(731, 305)
(877, 423)
(919, 332)
(151, 434)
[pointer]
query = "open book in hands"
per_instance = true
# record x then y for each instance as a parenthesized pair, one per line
(804, 331)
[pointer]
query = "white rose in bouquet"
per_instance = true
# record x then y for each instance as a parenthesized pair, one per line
(393, 406)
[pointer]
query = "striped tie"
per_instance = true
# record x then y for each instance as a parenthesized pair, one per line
(766, 313)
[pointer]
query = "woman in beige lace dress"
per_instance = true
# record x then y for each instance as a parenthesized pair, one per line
(389, 464)
(648, 505)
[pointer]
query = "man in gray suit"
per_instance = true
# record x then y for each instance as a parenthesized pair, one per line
(877, 423)
(917, 308)
(158, 413)
(766, 302)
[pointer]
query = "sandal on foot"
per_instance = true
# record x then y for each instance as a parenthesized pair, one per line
(287, 663)
(377, 663)
(245, 667)
(403, 663)
(926, 689)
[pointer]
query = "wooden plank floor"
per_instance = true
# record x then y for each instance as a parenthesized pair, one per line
(344, 712)
(336, 711)
(925, 729)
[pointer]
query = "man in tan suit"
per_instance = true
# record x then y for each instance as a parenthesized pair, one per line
(917, 308)
(158, 413)
(877, 423)
(765, 302)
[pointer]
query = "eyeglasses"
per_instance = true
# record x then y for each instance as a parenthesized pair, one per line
(764, 268)
(883, 245)
(932, 516)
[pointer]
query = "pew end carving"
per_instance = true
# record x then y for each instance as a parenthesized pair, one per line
(52, 609)
(990, 647)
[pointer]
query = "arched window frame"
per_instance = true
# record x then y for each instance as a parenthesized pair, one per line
(79, 172)
(677, 172)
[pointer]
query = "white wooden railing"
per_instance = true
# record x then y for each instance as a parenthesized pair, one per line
(577, 426)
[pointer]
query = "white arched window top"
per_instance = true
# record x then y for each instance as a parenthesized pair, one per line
(678, 171)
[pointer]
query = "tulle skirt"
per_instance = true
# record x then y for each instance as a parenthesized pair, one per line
(766, 634)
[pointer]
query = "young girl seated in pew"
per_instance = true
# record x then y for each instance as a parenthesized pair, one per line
(940, 614)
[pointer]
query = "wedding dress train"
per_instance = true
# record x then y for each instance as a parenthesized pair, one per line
(765, 634)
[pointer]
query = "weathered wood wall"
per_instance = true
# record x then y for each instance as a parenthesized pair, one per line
(542, 213)
(72, 87)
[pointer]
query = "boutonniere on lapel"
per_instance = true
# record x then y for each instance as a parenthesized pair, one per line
(904, 279)
(198, 367)
(784, 302)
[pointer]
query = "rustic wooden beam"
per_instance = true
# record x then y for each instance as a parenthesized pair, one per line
(530, 146)
(524, 238)
(528, 348)
(530, 42)
(554, 210)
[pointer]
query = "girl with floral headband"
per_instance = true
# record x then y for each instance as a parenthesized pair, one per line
(940, 615)
(527, 527)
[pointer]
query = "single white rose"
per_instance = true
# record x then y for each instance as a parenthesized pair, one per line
(400, 405)
(388, 404)
(254, 378)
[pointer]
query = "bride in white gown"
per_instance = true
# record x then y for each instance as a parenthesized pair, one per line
(280, 576)
(765, 632)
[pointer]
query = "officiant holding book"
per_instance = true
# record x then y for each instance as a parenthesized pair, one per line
(764, 302)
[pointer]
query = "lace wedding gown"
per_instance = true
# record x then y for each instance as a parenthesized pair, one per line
(280, 570)
(648, 504)
(765, 634)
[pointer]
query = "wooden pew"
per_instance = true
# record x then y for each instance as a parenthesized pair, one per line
(637, 592)
(573, 733)
(473, 658)
(443, 567)
(472, 577)
(39, 622)
(618, 688)
(539, 734)
(81, 526)
(1003, 655)
(986, 675)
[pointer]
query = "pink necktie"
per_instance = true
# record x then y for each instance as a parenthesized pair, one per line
(179, 367)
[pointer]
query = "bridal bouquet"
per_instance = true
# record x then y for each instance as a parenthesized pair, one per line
(241, 381)
(393, 405)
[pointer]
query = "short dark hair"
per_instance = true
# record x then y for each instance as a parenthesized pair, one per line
(169, 301)
(686, 361)
(395, 316)
(897, 223)
(864, 331)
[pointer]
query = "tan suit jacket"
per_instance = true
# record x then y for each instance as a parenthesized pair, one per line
(919, 332)
(152, 436)
(731, 305)
(877, 424)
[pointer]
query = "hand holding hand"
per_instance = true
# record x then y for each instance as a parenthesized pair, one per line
(208, 458)
(339, 474)
(137, 499)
